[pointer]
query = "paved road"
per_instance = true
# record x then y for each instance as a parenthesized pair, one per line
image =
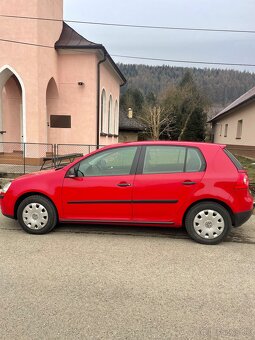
(87, 282)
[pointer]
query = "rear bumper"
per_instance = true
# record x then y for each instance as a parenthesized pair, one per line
(1, 199)
(241, 218)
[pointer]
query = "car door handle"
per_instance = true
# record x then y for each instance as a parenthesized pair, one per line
(188, 183)
(124, 184)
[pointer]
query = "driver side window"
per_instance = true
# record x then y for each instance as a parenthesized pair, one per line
(112, 162)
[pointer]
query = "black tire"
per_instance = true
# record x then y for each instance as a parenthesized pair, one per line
(208, 223)
(37, 215)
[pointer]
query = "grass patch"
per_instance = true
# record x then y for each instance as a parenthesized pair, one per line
(249, 165)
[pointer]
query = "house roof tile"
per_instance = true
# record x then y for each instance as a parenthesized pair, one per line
(130, 124)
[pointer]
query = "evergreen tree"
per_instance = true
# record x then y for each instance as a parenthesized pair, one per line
(134, 99)
(221, 87)
(188, 106)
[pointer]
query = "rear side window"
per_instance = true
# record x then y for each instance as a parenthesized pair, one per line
(234, 160)
(171, 159)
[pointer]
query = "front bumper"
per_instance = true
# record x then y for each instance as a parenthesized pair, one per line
(241, 218)
(5, 212)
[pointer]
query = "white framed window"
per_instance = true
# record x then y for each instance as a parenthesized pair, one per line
(110, 117)
(239, 129)
(104, 117)
(226, 130)
(220, 129)
(116, 118)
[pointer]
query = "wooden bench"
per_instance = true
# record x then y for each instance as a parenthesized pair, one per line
(60, 160)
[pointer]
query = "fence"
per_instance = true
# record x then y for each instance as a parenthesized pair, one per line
(20, 158)
(242, 150)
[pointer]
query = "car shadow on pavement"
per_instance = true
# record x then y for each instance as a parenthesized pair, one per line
(179, 233)
(237, 235)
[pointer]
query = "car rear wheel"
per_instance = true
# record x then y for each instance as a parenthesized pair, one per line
(208, 223)
(37, 215)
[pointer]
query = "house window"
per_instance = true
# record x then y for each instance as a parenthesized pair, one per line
(220, 129)
(239, 129)
(60, 121)
(110, 118)
(104, 118)
(116, 118)
(226, 130)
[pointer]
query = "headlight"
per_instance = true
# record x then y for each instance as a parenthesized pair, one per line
(6, 187)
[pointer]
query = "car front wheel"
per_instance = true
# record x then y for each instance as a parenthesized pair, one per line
(208, 223)
(37, 215)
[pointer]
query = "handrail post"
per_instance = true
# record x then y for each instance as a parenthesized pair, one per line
(24, 158)
(54, 155)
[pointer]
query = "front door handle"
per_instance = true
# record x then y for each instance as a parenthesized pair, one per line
(188, 183)
(124, 184)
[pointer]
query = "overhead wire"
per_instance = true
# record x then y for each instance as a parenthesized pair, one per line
(205, 29)
(138, 26)
(141, 57)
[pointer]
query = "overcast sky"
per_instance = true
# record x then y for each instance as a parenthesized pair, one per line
(177, 45)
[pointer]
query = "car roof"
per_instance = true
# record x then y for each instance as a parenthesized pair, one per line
(173, 143)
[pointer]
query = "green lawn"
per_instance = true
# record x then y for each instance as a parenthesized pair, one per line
(249, 165)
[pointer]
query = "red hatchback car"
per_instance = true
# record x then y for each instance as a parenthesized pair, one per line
(201, 186)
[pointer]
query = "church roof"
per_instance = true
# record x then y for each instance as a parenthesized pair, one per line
(70, 39)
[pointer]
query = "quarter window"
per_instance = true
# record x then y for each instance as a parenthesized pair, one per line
(194, 161)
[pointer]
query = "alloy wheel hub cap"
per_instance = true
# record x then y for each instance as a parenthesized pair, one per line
(35, 216)
(209, 224)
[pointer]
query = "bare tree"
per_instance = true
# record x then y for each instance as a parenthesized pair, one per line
(157, 121)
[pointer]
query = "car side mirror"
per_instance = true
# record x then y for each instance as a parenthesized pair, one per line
(72, 173)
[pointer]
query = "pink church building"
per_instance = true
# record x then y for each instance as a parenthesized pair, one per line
(55, 85)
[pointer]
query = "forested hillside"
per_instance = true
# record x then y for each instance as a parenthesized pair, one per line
(220, 86)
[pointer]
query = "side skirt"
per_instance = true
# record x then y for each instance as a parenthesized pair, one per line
(154, 223)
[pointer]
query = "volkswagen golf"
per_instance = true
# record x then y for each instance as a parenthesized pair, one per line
(200, 186)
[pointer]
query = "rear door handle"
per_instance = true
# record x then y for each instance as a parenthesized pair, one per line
(188, 183)
(122, 185)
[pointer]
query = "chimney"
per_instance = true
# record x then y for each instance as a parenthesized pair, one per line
(130, 113)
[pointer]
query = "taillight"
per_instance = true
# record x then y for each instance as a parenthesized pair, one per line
(243, 180)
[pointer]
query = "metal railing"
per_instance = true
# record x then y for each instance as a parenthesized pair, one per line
(20, 158)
